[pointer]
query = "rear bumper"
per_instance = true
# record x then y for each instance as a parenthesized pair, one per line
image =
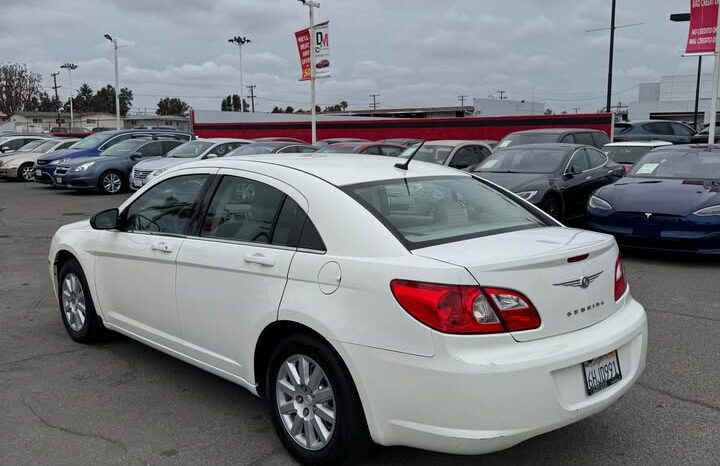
(480, 395)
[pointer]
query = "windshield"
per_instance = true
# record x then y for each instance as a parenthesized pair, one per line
(626, 154)
(681, 164)
(423, 212)
(524, 161)
(90, 142)
(254, 149)
(429, 153)
(340, 149)
(123, 148)
(190, 150)
(43, 147)
(527, 138)
(31, 146)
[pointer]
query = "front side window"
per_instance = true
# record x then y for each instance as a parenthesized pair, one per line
(596, 158)
(190, 150)
(32, 146)
(166, 207)
(424, 212)
(468, 156)
(579, 162)
(524, 161)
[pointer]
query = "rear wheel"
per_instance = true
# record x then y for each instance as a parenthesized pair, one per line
(25, 172)
(111, 182)
(552, 206)
(76, 304)
(313, 403)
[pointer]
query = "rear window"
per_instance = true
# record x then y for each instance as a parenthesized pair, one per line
(518, 139)
(628, 155)
(425, 212)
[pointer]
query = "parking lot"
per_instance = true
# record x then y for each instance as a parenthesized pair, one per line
(123, 403)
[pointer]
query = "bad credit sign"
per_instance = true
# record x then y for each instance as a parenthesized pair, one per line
(703, 25)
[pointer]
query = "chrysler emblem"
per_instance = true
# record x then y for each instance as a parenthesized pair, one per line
(648, 215)
(582, 282)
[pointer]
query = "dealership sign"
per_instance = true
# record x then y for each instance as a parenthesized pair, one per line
(703, 25)
(321, 43)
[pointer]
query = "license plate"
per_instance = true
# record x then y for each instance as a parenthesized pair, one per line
(38, 172)
(137, 183)
(58, 180)
(601, 372)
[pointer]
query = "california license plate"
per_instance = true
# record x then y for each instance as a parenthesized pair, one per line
(58, 180)
(38, 172)
(602, 372)
(137, 183)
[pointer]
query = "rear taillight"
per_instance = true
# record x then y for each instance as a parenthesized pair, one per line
(620, 279)
(463, 309)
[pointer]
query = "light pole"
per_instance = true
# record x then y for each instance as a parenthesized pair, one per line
(70, 67)
(117, 81)
(680, 18)
(240, 41)
(312, 4)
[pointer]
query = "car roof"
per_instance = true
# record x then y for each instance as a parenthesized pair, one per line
(545, 145)
(453, 142)
(337, 169)
(714, 148)
(224, 140)
(638, 144)
(556, 130)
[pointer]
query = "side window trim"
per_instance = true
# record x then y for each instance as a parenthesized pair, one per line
(572, 157)
(605, 159)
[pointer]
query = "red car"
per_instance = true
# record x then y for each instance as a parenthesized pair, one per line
(370, 148)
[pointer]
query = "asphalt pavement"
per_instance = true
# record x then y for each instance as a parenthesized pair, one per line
(122, 403)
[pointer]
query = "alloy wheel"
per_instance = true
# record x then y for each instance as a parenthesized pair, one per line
(111, 183)
(73, 302)
(27, 173)
(305, 402)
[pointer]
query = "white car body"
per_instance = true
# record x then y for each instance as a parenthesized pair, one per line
(146, 170)
(208, 302)
(11, 163)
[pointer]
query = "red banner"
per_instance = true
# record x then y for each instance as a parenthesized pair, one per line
(303, 43)
(703, 24)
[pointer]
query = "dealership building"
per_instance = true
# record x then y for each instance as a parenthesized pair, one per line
(672, 98)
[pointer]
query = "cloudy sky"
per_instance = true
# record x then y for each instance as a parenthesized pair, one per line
(411, 52)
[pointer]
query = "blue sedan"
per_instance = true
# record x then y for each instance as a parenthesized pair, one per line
(669, 200)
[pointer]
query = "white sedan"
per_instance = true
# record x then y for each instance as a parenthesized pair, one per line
(367, 303)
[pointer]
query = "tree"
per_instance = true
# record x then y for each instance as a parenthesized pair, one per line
(82, 102)
(289, 109)
(18, 85)
(549, 112)
(277, 109)
(104, 100)
(172, 106)
(47, 104)
(231, 103)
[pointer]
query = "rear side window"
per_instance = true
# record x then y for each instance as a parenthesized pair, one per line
(600, 139)
(584, 138)
(424, 212)
(568, 139)
(596, 158)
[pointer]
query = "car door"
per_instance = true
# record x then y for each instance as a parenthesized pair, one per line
(135, 265)
(661, 131)
(232, 272)
(599, 172)
(576, 188)
(468, 156)
(682, 133)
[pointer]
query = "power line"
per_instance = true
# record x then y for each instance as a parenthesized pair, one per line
(462, 98)
(502, 95)
(252, 96)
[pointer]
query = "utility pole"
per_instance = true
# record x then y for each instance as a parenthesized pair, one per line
(374, 105)
(612, 55)
(70, 67)
(502, 95)
(312, 4)
(57, 99)
(462, 98)
(240, 41)
(252, 96)
(577, 109)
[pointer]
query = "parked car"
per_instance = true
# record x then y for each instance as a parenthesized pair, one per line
(93, 145)
(558, 178)
(279, 139)
(322, 64)
(273, 147)
(200, 149)
(325, 142)
(312, 280)
(11, 143)
(19, 164)
(587, 137)
(110, 172)
(402, 141)
(453, 153)
(628, 153)
(659, 130)
(669, 200)
(367, 148)
(703, 136)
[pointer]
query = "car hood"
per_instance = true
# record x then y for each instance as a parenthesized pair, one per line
(81, 160)
(63, 154)
(661, 196)
(156, 163)
(518, 182)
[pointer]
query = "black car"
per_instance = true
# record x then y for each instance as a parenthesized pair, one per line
(704, 136)
(587, 137)
(273, 147)
(402, 141)
(558, 178)
(654, 130)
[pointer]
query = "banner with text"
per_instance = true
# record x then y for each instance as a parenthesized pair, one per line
(703, 24)
(321, 42)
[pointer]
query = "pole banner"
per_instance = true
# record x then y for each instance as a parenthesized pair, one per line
(703, 25)
(321, 43)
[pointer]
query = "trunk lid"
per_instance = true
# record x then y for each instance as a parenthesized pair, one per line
(535, 263)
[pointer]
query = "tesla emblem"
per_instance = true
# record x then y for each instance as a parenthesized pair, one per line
(582, 282)
(648, 215)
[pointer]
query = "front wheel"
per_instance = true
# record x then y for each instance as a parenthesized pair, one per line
(25, 172)
(111, 182)
(313, 403)
(76, 304)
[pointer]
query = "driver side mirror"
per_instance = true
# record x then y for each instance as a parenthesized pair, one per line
(570, 173)
(211, 156)
(4, 148)
(136, 156)
(105, 220)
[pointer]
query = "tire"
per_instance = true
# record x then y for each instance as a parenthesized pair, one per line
(552, 206)
(347, 437)
(111, 182)
(74, 296)
(25, 172)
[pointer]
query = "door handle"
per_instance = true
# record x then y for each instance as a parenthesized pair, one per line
(161, 247)
(589, 177)
(260, 260)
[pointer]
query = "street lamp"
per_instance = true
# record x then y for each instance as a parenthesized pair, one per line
(312, 4)
(117, 81)
(70, 67)
(240, 41)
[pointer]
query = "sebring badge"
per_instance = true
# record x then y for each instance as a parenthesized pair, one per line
(582, 282)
